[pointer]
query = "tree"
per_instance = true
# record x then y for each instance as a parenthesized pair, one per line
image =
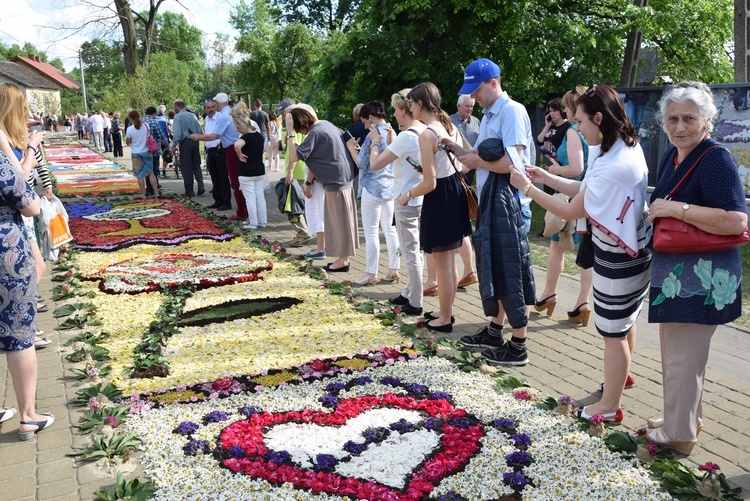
(279, 60)
(691, 38)
(320, 15)
(103, 66)
(107, 16)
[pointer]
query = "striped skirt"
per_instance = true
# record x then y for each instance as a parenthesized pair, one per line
(620, 286)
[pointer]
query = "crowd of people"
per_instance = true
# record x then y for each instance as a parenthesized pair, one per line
(413, 187)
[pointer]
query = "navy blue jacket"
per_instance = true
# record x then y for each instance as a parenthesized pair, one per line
(502, 252)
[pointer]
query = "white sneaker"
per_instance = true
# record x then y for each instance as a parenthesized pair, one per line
(249, 227)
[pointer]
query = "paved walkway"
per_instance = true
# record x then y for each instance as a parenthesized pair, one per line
(564, 360)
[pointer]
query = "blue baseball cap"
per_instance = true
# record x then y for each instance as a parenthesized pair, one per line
(476, 73)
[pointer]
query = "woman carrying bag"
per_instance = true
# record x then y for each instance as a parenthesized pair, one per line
(692, 293)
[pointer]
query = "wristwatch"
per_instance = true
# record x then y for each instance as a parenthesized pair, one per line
(308, 183)
(685, 208)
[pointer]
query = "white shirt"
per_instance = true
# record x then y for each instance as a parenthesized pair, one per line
(97, 124)
(406, 177)
(211, 123)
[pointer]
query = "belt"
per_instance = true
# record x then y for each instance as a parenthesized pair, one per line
(215, 148)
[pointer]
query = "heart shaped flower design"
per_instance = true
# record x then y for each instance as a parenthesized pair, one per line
(372, 447)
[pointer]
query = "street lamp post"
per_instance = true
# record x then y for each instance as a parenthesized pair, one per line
(83, 83)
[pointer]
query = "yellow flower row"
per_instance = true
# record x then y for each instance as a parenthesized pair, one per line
(322, 326)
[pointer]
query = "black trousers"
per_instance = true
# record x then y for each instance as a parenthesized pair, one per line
(216, 162)
(116, 144)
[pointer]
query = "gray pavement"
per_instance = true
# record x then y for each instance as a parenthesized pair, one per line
(564, 360)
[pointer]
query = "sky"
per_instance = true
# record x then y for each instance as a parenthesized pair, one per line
(39, 22)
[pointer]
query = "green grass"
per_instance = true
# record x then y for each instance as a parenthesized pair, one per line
(540, 251)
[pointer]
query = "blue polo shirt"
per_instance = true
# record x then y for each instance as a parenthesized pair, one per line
(228, 134)
(507, 120)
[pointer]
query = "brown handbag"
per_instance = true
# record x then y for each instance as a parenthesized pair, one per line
(471, 195)
(672, 235)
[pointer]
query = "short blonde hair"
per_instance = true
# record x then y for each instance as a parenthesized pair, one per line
(398, 100)
(239, 109)
(243, 123)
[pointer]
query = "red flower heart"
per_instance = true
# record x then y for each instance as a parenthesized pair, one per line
(457, 446)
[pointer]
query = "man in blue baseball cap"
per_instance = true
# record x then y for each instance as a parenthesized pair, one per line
(505, 127)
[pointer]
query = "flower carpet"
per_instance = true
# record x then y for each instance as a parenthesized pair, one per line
(80, 171)
(242, 373)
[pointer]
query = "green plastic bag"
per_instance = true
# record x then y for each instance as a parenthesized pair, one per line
(288, 204)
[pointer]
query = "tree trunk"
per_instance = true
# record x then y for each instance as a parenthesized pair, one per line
(632, 51)
(153, 9)
(130, 40)
(741, 39)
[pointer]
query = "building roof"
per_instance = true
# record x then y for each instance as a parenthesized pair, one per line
(25, 77)
(47, 71)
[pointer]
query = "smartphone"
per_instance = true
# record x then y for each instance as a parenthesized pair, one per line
(445, 147)
(374, 126)
(414, 164)
(348, 135)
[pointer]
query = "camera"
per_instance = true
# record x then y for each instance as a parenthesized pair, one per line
(445, 147)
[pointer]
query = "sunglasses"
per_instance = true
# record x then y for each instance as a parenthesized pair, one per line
(591, 91)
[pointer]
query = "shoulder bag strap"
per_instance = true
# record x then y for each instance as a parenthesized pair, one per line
(689, 172)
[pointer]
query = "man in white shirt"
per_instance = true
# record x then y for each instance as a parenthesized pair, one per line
(97, 129)
(214, 125)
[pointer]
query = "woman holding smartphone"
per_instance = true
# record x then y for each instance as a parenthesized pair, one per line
(403, 154)
(377, 195)
(445, 213)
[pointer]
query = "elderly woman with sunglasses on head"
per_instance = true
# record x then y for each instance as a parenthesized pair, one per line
(693, 292)
(613, 197)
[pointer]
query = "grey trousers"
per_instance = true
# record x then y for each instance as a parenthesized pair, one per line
(190, 164)
(407, 229)
(684, 354)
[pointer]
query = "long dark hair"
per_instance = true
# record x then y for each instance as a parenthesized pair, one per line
(615, 122)
(135, 118)
(428, 95)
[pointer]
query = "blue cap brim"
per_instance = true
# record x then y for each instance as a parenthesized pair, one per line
(469, 88)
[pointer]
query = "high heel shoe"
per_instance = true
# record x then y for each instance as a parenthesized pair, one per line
(392, 277)
(609, 417)
(429, 316)
(366, 279)
(548, 303)
(579, 316)
(41, 425)
(654, 423)
(657, 436)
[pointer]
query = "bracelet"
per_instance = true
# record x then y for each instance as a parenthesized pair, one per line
(32, 149)
(526, 189)
(373, 145)
(290, 137)
(408, 194)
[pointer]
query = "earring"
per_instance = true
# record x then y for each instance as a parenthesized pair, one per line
(601, 136)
